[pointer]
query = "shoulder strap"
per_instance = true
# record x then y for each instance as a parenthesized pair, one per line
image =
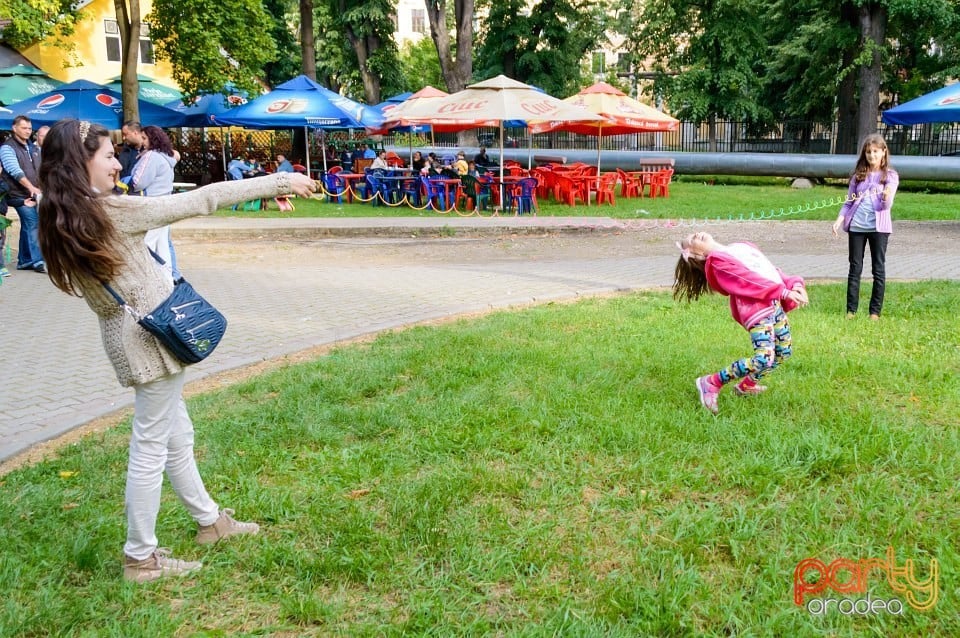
(123, 304)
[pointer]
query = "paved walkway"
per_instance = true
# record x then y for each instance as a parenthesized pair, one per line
(327, 280)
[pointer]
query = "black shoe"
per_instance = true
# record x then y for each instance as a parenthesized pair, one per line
(40, 267)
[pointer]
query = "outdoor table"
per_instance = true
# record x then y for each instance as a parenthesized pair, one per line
(448, 183)
(394, 183)
(508, 181)
(350, 180)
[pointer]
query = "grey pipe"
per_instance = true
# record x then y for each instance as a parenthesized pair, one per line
(934, 168)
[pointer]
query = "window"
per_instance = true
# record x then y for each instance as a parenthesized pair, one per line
(418, 17)
(112, 31)
(146, 46)
(113, 40)
(146, 52)
(599, 63)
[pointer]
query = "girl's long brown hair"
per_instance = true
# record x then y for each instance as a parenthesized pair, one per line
(76, 235)
(689, 280)
(863, 167)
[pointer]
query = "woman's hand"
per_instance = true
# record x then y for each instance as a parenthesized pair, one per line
(301, 185)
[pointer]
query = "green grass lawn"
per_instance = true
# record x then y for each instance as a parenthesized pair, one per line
(541, 472)
(690, 197)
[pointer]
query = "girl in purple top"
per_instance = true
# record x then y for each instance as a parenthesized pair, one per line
(866, 218)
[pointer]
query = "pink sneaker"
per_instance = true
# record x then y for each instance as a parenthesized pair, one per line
(708, 394)
(748, 387)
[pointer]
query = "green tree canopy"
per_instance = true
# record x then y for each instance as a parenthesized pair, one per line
(708, 55)
(213, 42)
(543, 45)
(34, 20)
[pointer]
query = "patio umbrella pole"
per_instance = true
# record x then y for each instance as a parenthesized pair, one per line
(529, 148)
(599, 144)
(501, 165)
(223, 149)
(323, 139)
(306, 137)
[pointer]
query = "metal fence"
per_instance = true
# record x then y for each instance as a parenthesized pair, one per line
(204, 153)
(203, 157)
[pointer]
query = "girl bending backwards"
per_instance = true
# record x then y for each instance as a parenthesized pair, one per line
(760, 296)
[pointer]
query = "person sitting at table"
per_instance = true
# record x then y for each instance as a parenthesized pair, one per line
(481, 159)
(380, 161)
(472, 169)
(417, 163)
(254, 170)
(346, 158)
(461, 164)
(357, 153)
(237, 167)
(368, 153)
(283, 164)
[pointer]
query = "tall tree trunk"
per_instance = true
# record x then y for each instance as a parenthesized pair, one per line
(458, 70)
(128, 22)
(308, 49)
(873, 29)
(847, 92)
(363, 46)
(712, 133)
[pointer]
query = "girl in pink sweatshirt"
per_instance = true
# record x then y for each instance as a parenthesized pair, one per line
(760, 296)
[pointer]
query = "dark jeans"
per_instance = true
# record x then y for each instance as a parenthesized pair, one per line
(878, 254)
(29, 254)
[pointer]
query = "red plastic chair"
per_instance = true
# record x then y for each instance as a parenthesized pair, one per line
(660, 183)
(568, 191)
(629, 186)
(606, 190)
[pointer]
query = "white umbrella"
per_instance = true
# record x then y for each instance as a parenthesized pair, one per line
(497, 99)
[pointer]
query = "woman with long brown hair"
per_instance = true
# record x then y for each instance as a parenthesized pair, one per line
(94, 237)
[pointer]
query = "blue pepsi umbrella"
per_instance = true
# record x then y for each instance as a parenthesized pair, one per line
(942, 105)
(85, 100)
(205, 110)
(301, 102)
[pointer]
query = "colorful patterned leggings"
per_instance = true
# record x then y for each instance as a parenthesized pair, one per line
(771, 346)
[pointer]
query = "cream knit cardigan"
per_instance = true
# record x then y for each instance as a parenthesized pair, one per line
(137, 356)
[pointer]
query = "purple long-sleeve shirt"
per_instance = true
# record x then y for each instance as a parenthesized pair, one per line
(871, 187)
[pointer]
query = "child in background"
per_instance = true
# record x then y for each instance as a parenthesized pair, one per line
(866, 218)
(760, 296)
(461, 164)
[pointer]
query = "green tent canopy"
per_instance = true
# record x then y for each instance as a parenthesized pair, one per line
(150, 90)
(20, 82)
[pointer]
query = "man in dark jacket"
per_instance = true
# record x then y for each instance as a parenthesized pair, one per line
(20, 168)
(132, 144)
